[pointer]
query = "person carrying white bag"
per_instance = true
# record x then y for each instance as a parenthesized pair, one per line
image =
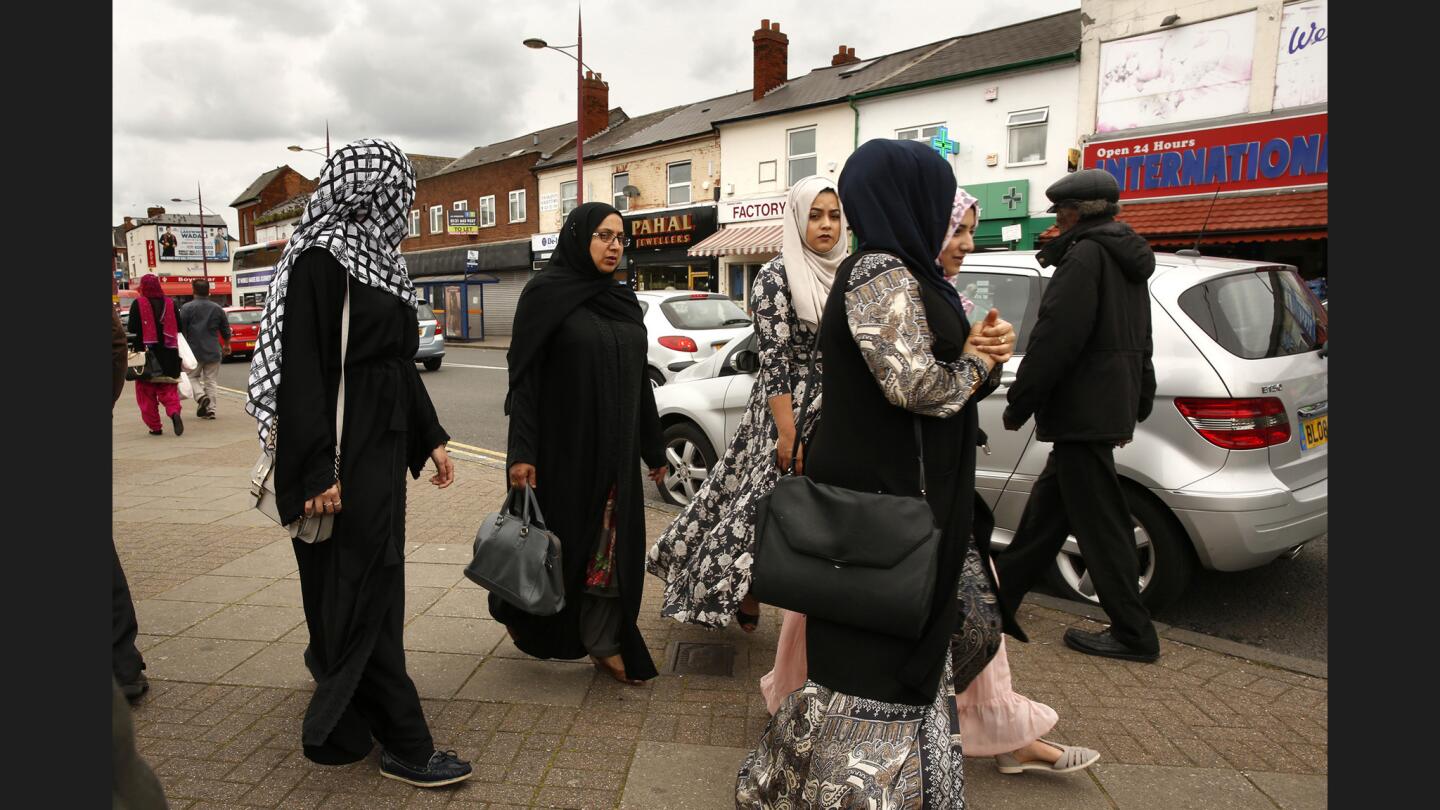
(188, 365)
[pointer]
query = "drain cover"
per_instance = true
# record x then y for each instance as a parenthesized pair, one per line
(701, 658)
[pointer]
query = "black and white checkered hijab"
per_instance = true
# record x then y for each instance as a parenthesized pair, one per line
(358, 213)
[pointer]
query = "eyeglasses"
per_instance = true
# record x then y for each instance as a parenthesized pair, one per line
(609, 236)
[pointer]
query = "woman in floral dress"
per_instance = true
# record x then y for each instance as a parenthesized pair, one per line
(704, 556)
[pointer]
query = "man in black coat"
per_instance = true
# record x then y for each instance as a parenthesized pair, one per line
(1087, 378)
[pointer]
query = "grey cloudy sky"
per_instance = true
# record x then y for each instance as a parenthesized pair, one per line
(213, 92)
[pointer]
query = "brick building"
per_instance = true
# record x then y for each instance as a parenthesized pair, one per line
(267, 191)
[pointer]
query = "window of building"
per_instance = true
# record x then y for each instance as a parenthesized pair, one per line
(618, 182)
(460, 205)
(437, 218)
(800, 149)
(415, 222)
(487, 211)
(922, 133)
(567, 197)
(677, 181)
(1027, 136)
(767, 171)
(517, 205)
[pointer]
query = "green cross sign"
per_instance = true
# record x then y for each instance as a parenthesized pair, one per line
(1013, 198)
(941, 143)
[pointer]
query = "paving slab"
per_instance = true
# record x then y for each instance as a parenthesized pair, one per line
(168, 618)
(1144, 787)
(453, 634)
(989, 789)
(207, 588)
(277, 665)
(449, 553)
(258, 564)
(250, 622)
(674, 776)
(1294, 791)
(467, 599)
(285, 592)
(197, 659)
(433, 575)
(439, 675)
(549, 683)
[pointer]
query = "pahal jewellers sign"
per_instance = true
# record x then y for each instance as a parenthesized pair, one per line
(671, 229)
(1274, 153)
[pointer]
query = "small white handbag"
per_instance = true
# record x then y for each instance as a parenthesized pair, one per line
(315, 528)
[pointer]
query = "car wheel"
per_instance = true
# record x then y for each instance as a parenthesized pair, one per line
(433, 364)
(689, 456)
(656, 378)
(1166, 558)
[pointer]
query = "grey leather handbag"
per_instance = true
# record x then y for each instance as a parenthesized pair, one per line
(517, 558)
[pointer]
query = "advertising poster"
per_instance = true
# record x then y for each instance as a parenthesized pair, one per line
(463, 222)
(1300, 69)
(1188, 73)
(183, 243)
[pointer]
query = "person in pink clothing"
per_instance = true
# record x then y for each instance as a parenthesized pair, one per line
(995, 721)
(155, 328)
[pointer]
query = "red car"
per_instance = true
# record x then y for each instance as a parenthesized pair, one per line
(244, 328)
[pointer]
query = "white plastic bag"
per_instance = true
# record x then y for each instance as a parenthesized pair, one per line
(188, 364)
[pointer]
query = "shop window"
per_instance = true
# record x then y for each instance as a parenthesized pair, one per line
(618, 182)
(415, 222)
(437, 218)
(801, 154)
(742, 281)
(924, 133)
(1027, 136)
(567, 197)
(487, 211)
(677, 181)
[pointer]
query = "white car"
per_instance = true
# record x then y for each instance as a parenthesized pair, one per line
(685, 327)
(1230, 471)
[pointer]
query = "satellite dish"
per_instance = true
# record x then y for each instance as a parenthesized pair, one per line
(630, 191)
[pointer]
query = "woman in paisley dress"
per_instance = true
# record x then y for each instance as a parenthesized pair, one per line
(704, 556)
(874, 724)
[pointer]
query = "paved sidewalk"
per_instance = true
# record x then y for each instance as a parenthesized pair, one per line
(222, 632)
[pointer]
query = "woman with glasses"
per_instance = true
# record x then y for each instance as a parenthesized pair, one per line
(581, 414)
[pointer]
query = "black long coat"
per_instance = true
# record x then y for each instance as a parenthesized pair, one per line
(352, 580)
(584, 415)
(169, 358)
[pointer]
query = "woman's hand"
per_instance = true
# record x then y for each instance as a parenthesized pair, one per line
(784, 446)
(522, 474)
(993, 336)
(326, 503)
(657, 474)
(444, 470)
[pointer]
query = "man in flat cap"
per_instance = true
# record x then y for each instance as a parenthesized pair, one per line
(1087, 378)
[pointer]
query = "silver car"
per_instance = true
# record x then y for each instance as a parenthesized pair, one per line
(1230, 470)
(431, 350)
(685, 327)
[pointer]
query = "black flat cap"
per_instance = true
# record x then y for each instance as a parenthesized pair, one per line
(1086, 184)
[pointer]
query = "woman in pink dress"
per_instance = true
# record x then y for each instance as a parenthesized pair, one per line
(995, 721)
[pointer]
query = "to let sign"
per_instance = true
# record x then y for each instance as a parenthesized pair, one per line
(1276, 153)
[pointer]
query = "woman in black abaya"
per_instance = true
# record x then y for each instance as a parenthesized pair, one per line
(353, 584)
(581, 414)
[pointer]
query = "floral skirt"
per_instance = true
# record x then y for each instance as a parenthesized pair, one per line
(830, 751)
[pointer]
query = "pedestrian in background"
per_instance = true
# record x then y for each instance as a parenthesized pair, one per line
(704, 556)
(126, 663)
(1087, 379)
(155, 328)
(582, 413)
(203, 323)
(345, 253)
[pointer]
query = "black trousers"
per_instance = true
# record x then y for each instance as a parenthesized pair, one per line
(385, 705)
(1078, 493)
(125, 660)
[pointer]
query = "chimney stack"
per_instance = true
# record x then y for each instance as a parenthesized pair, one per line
(129, 224)
(595, 111)
(844, 56)
(771, 53)
(154, 211)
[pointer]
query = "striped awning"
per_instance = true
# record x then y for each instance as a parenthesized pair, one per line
(739, 241)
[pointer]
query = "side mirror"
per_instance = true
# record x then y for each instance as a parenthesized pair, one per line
(745, 361)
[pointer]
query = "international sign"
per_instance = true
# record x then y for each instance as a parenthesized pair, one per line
(463, 222)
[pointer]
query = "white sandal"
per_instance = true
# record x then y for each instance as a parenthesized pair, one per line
(1072, 758)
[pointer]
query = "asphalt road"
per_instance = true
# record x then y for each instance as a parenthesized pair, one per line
(1280, 607)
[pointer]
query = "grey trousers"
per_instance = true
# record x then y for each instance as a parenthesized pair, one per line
(204, 379)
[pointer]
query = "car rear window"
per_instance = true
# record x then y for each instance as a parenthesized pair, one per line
(704, 313)
(245, 317)
(1267, 313)
(425, 312)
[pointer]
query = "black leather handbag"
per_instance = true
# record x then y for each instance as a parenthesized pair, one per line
(862, 559)
(517, 558)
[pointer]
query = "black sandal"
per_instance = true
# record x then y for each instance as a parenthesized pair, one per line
(747, 621)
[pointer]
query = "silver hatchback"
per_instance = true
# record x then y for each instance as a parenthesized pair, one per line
(1229, 472)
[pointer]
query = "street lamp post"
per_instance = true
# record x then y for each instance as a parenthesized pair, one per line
(580, 68)
(200, 204)
(316, 151)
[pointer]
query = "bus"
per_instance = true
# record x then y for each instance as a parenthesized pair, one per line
(254, 268)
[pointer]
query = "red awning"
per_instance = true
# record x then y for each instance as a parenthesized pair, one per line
(1251, 218)
(740, 241)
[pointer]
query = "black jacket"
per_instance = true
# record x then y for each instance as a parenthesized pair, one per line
(1087, 374)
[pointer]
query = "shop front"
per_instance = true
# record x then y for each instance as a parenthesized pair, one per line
(1005, 219)
(473, 289)
(658, 257)
(180, 288)
(750, 235)
(1255, 190)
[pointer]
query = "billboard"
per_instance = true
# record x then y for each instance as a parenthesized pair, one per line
(463, 222)
(182, 243)
(1188, 73)
(1300, 68)
(1275, 153)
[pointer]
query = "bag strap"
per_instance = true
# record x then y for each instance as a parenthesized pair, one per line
(340, 403)
(805, 411)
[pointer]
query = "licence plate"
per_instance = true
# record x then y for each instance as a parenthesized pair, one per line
(1314, 432)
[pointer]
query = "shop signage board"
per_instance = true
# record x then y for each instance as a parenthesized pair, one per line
(1274, 153)
(752, 210)
(149, 252)
(255, 279)
(544, 242)
(675, 228)
(549, 202)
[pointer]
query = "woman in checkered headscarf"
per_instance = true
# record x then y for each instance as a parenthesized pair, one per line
(346, 251)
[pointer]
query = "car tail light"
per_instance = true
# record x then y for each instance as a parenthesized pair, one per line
(695, 296)
(1237, 424)
(679, 344)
